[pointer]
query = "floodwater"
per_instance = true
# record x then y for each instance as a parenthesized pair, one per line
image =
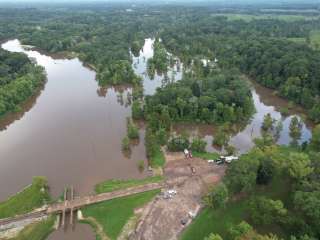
(265, 102)
(71, 131)
(151, 83)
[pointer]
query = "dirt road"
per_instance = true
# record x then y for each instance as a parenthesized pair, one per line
(164, 218)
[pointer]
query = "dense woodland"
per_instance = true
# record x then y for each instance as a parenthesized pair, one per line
(218, 97)
(268, 51)
(277, 52)
(279, 188)
(19, 80)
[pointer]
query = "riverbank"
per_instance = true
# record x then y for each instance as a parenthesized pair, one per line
(30, 198)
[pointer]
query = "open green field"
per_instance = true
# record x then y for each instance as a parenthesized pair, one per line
(298, 40)
(32, 197)
(113, 215)
(158, 159)
(37, 231)
(315, 39)
(219, 221)
(115, 184)
(206, 155)
(250, 17)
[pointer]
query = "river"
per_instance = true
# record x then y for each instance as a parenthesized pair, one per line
(71, 131)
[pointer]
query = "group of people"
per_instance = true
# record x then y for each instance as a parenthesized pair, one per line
(187, 153)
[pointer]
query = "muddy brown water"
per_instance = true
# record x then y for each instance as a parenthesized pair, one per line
(71, 131)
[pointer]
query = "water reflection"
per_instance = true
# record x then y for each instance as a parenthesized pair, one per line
(151, 83)
(241, 136)
(77, 232)
(70, 134)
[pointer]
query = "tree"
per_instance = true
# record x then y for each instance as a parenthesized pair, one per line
(265, 141)
(295, 130)
(278, 130)
(126, 144)
(137, 112)
(213, 237)
(151, 143)
(238, 231)
(198, 145)
(218, 197)
(133, 130)
(230, 149)
(221, 137)
(309, 204)
(299, 166)
(267, 124)
(264, 211)
(265, 171)
(178, 143)
(315, 140)
(241, 175)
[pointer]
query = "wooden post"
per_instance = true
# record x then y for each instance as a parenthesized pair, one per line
(64, 209)
(71, 209)
(71, 216)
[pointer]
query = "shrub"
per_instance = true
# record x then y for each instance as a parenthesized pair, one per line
(179, 143)
(141, 165)
(126, 144)
(198, 145)
(133, 130)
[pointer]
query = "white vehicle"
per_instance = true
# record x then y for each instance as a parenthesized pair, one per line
(191, 214)
(186, 152)
(210, 161)
(172, 192)
(229, 159)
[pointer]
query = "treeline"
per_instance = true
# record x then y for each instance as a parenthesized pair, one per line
(221, 96)
(290, 68)
(263, 49)
(19, 80)
(160, 60)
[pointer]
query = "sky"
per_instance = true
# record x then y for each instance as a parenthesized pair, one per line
(251, 1)
(227, 2)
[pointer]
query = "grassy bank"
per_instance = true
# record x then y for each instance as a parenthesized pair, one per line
(219, 221)
(113, 215)
(32, 197)
(158, 160)
(114, 184)
(206, 155)
(37, 231)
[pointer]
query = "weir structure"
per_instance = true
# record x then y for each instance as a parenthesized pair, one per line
(73, 204)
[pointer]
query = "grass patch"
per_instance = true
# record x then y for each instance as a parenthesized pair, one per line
(114, 184)
(206, 155)
(113, 215)
(219, 221)
(32, 197)
(315, 39)
(158, 160)
(37, 231)
(297, 40)
(251, 17)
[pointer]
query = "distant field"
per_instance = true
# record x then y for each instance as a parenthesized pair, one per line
(250, 17)
(298, 40)
(315, 39)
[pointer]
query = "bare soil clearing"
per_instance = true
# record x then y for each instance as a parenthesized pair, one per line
(165, 217)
